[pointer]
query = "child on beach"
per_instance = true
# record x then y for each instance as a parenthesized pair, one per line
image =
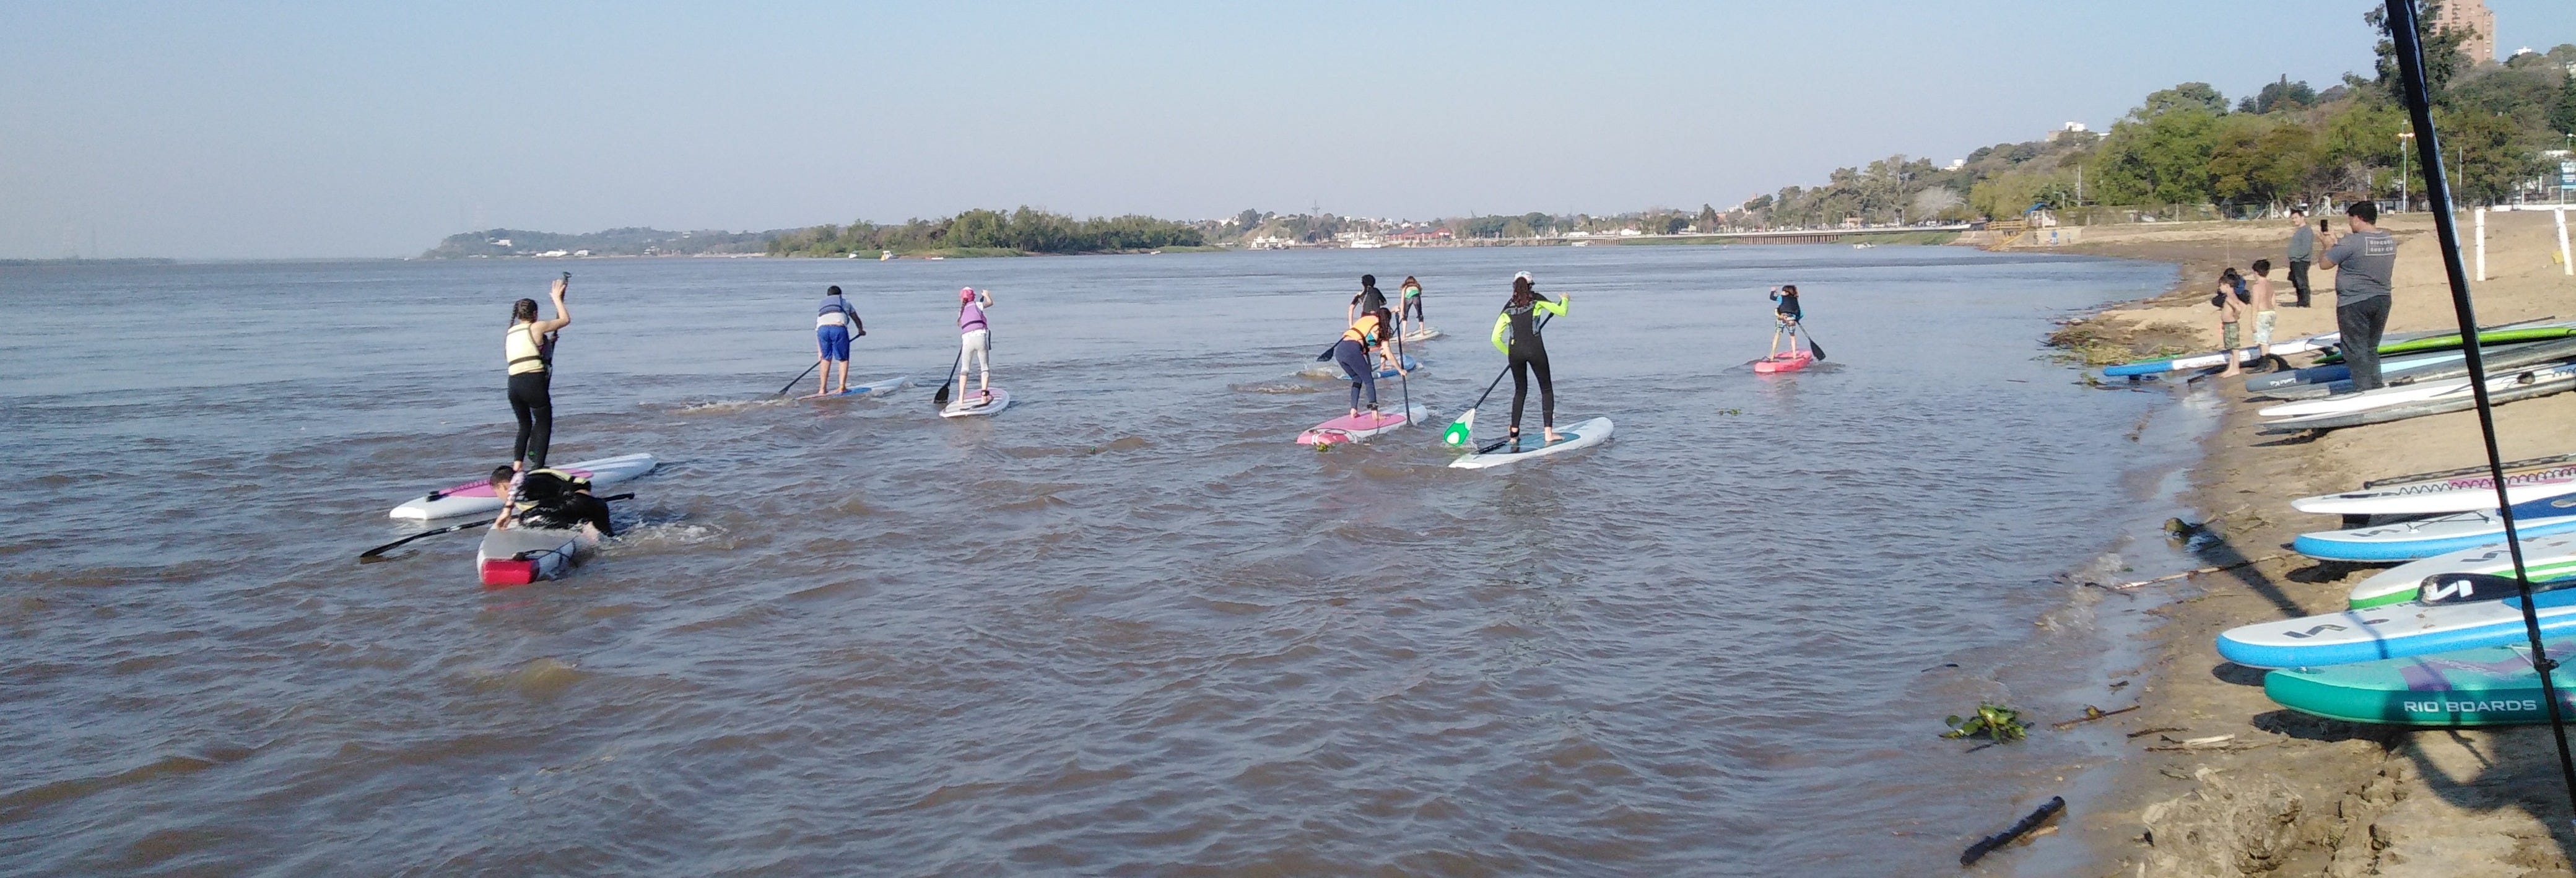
(2263, 305)
(2231, 309)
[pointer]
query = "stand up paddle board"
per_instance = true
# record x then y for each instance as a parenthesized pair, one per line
(521, 555)
(968, 405)
(1788, 362)
(475, 497)
(1425, 333)
(1350, 428)
(2545, 558)
(2219, 358)
(2426, 537)
(2394, 631)
(878, 387)
(2434, 497)
(1583, 435)
(2488, 686)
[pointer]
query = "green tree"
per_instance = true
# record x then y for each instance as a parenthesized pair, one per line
(2187, 96)
(2163, 158)
(2442, 56)
(2490, 160)
(2562, 113)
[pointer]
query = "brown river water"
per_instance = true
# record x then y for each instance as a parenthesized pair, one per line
(1124, 627)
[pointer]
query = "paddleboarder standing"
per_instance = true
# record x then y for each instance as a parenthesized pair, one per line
(976, 338)
(1516, 335)
(834, 325)
(1785, 315)
(528, 349)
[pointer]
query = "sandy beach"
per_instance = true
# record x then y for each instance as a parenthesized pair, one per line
(2290, 794)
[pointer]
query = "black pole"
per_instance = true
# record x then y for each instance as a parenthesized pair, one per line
(2428, 148)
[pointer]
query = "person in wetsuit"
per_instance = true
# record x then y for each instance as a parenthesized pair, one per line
(1516, 335)
(529, 350)
(1352, 354)
(1368, 300)
(548, 498)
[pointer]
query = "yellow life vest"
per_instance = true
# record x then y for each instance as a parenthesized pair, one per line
(522, 351)
(1363, 330)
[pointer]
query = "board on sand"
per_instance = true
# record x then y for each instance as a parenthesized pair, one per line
(1583, 435)
(2321, 376)
(2420, 391)
(2463, 494)
(476, 497)
(2511, 387)
(2497, 359)
(2219, 358)
(2394, 631)
(2545, 558)
(521, 555)
(2427, 537)
(2486, 686)
(873, 388)
(1349, 428)
(968, 405)
(1788, 362)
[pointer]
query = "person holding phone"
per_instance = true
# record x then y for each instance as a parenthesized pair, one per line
(528, 349)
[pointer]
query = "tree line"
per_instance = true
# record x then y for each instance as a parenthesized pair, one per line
(1026, 230)
(2188, 146)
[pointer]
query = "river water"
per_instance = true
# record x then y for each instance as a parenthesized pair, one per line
(1123, 627)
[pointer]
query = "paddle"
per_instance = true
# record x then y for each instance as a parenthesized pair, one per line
(941, 398)
(1812, 346)
(373, 553)
(1459, 429)
(379, 551)
(800, 376)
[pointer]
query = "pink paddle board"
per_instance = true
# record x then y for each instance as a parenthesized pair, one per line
(1348, 428)
(1788, 362)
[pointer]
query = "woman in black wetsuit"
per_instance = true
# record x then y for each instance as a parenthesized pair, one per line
(1516, 335)
(529, 349)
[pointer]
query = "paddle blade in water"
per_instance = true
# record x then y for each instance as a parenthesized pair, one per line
(1456, 435)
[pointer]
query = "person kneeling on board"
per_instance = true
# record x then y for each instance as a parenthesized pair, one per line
(1526, 353)
(549, 499)
(834, 325)
(1352, 354)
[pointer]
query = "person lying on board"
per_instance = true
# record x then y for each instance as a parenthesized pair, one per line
(548, 498)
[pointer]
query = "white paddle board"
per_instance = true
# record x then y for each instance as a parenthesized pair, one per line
(476, 498)
(972, 404)
(878, 387)
(1583, 435)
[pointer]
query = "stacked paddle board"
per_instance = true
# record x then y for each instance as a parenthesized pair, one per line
(2484, 686)
(476, 497)
(2545, 559)
(2219, 358)
(2425, 537)
(2394, 631)
(2436, 496)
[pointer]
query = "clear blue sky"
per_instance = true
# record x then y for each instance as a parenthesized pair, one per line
(294, 129)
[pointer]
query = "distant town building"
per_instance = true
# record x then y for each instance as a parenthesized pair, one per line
(2070, 129)
(2471, 18)
(1956, 164)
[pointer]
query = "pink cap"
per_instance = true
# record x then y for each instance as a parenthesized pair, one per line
(965, 294)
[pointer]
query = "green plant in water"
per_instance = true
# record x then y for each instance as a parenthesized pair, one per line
(1994, 721)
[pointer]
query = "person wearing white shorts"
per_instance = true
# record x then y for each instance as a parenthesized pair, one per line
(2264, 305)
(975, 336)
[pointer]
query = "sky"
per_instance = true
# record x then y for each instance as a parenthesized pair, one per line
(306, 130)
